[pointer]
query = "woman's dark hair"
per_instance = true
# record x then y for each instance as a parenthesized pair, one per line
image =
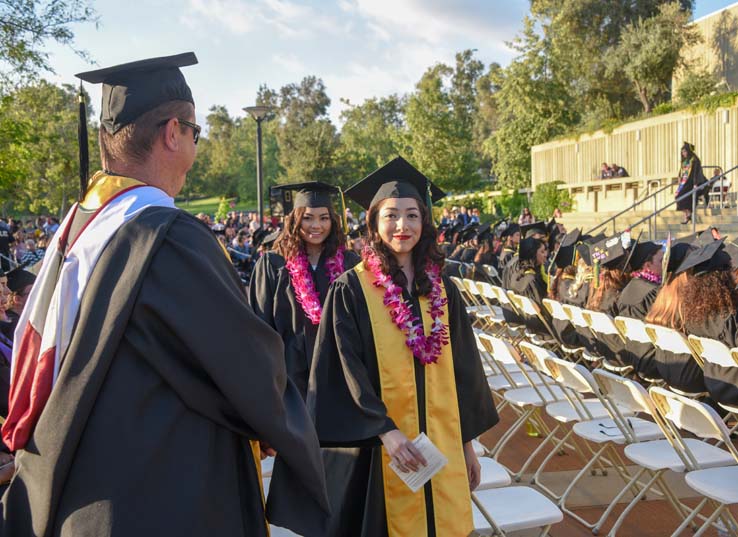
(527, 254)
(553, 292)
(709, 295)
(485, 247)
(426, 251)
(611, 281)
(290, 243)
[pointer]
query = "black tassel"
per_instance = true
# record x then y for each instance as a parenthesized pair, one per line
(84, 157)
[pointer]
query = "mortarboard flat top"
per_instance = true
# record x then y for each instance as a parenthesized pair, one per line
(511, 229)
(357, 231)
(468, 232)
(565, 253)
(269, 239)
(484, 231)
(132, 89)
(706, 258)
(608, 251)
(396, 179)
(528, 230)
(642, 251)
(311, 194)
(19, 278)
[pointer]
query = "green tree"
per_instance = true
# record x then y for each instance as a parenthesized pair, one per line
(695, 85)
(649, 50)
(26, 25)
(548, 197)
(369, 136)
(39, 166)
(533, 105)
(439, 120)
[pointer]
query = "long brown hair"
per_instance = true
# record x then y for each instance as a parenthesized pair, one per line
(709, 295)
(667, 309)
(290, 243)
(611, 281)
(424, 252)
(553, 292)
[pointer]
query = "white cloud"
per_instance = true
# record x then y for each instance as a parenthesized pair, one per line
(290, 63)
(234, 15)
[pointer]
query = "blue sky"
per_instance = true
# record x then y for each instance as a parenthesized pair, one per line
(360, 48)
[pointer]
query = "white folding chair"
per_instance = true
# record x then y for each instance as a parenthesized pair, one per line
(677, 362)
(532, 311)
(577, 319)
(717, 362)
(508, 509)
(637, 341)
(556, 310)
(693, 455)
(493, 317)
(607, 334)
(515, 329)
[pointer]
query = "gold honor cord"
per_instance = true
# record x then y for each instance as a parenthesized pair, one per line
(406, 513)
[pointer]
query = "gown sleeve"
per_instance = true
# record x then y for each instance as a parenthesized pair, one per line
(476, 407)
(344, 403)
(261, 290)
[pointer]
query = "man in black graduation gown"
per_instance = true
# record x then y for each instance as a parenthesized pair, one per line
(168, 377)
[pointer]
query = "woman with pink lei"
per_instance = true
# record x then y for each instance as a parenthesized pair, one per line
(289, 284)
(396, 357)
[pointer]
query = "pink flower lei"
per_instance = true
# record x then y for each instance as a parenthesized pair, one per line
(303, 285)
(645, 274)
(426, 349)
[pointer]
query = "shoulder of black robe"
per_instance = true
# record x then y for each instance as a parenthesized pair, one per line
(263, 284)
(636, 298)
(342, 399)
(350, 259)
(476, 407)
(142, 299)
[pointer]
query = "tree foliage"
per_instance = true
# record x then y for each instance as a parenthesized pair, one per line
(26, 25)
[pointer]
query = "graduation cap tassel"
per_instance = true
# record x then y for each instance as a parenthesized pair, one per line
(429, 201)
(344, 221)
(84, 157)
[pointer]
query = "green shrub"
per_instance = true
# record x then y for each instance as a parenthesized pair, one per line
(548, 197)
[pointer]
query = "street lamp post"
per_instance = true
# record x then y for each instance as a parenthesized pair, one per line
(259, 113)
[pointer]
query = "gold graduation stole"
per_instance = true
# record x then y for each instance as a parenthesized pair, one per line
(406, 513)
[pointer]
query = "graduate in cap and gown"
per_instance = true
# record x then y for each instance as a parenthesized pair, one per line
(563, 277)
(144, 388)
(527, 280)
(289, 284)
(510, 237)
(701, 299)
(395, 357)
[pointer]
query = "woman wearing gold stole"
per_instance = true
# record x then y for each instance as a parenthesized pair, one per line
(395, 356)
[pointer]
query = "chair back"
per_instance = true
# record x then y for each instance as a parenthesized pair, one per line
(502, 351)
(556, 309)
(600, 322)
(668, 339)
(574, 376)
(632, 329)
(524, 304)
(501, 295)
(712, 351)
(485, 289)
(574, 313)
(624, 392)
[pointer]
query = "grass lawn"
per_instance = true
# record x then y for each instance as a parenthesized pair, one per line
(210, 205)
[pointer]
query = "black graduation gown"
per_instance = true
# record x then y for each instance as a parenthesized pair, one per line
(635, 301)
(345, 399)
(610, 346)
(529, 283)
(508, 273)
(696, 178)
(273, 299)
(564, 329)
(721, 382)
(167, 376)
(467, 255)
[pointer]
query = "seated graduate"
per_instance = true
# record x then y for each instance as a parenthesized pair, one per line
(561, 282)
(528, 280)
(395, 356)
(704, 305)
(289, 284)
(609, 278)
(485, 253)
(510, 238)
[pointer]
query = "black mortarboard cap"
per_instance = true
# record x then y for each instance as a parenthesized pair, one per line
(468, 232)
(584, 251)
(511, 229)
(710, 257)
(396, 179)
(565, 253)
(609, 251)
(311, 194)
(527, 230)
(129, 91)
(132, 89)
(484, 231)
(269, 238)
(641, 252)
(552, 227)
(357, 231)
(679, 251)
(592, 239)
(19, 278)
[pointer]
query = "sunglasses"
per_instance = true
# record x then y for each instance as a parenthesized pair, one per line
(194, 126)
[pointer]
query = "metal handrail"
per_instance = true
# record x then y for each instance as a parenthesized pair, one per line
(693, 194)
(621, 213)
